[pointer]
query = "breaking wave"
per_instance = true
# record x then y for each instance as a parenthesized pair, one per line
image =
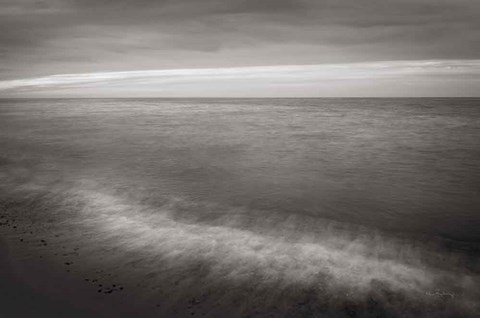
(255, 261)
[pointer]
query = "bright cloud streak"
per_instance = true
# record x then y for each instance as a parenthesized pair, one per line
(308, 80)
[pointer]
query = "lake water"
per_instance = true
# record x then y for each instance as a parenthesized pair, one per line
(397, 164)
(287, 192)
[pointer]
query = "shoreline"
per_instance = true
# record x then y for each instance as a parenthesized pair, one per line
(104, 266)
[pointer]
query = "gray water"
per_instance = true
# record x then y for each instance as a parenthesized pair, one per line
(277, 191)
(396, 164)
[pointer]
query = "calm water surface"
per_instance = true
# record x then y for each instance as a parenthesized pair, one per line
(403, 165)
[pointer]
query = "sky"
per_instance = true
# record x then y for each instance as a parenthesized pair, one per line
(239, 48)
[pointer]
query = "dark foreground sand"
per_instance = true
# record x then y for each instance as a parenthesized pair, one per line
(32, 287)
(19, 299)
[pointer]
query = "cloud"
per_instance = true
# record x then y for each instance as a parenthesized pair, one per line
(59, 36)
(219, 81)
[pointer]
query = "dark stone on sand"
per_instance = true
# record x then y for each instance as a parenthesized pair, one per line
(351, 310)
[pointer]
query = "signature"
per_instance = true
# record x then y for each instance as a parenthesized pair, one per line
(440, 293)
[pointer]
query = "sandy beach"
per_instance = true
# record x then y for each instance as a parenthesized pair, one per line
(35, 284)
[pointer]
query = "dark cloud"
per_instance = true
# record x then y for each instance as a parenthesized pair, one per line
(67, 36)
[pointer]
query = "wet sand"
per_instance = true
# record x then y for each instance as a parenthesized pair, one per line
(34, 285)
